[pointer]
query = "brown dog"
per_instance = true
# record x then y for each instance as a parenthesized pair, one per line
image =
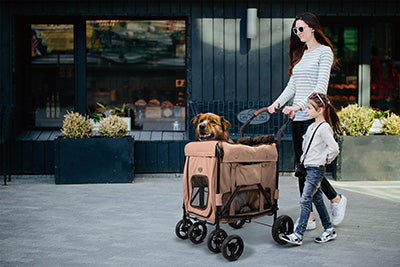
(210, 126)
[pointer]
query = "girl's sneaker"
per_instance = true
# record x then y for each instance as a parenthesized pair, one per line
(327, 235)
(292, 239)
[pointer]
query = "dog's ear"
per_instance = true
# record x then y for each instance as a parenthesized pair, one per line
(225, 124)
(196, 119)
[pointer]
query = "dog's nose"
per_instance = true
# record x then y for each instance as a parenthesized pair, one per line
(202, 126)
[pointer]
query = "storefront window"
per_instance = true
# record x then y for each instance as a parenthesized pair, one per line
(138, 65)
(343, 88)
(385, 67)
(52, 82)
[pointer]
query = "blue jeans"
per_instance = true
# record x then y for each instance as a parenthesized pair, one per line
(312, 194)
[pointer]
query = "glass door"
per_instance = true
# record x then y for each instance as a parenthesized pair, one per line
(343, 84)
(385, 67)
(52, 74)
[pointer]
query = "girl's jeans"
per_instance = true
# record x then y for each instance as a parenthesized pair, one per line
(312, 194)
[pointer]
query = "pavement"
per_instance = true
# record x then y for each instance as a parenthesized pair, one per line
(43, 224)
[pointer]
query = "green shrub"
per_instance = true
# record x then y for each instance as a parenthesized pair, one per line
(391, 125)
(113, 126)
(356, 120)
(76, 126)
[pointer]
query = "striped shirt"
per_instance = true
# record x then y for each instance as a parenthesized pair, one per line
(310, 74)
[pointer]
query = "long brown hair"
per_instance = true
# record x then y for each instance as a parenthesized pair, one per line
(297, 47)
(321, 101)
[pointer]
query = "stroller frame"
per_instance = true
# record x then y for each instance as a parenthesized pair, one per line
(218, 241)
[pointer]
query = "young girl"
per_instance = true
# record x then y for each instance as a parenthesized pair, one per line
(323, 150)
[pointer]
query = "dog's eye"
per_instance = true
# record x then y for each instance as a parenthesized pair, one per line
(213, 122)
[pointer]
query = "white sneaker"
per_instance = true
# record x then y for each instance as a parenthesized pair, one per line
(311, 225)
(338, 210)
(326, 236)
(292, 239)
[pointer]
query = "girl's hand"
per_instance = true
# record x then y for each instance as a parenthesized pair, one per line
(271, 108)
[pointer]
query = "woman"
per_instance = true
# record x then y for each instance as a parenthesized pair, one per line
(311, 59)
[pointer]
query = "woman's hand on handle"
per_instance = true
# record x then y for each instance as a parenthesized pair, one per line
(272, 108)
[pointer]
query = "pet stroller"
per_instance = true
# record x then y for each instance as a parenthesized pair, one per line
(230, 183)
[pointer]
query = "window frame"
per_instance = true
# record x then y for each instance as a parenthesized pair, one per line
(80, 90)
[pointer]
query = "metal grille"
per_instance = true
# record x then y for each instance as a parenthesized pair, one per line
(230, 109)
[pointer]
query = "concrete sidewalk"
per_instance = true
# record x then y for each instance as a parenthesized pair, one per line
(43, 224)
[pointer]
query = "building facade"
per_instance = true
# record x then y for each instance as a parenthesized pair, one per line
(165, 61)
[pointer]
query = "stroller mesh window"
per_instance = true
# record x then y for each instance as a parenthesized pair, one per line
(199, 196)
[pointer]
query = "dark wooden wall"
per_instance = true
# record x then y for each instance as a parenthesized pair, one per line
(222, 65)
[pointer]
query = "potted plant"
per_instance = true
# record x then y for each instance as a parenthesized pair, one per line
(364, 156)
(124, 111)
(81, 157)
(377, 124)
(391, 125)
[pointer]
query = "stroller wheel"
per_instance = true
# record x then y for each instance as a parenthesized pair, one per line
(237, 224)
(232, 247)
(282, 225)
(215, 239)
(181, 229)
(197, 232)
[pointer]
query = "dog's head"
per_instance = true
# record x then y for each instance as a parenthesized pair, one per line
(209, 126)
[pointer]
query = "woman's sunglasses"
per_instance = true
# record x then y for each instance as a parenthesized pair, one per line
(299, 29)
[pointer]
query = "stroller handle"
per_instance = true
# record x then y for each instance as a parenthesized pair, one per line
(280, 133)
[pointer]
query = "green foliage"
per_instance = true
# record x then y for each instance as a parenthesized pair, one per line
(76, 126)
(356, 120)
(122, 111)
(379, 114)
(113, 126)
(391, 125)
(95, 116)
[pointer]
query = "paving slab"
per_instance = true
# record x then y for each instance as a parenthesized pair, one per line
(43, 224)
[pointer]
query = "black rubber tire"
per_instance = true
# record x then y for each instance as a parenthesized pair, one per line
(237, 224)
(197, 232)
(282, 225)
(215, 240)
(181, 230)
(232, 247)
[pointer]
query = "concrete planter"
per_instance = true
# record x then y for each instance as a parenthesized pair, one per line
(94, 160)
(369, 158)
